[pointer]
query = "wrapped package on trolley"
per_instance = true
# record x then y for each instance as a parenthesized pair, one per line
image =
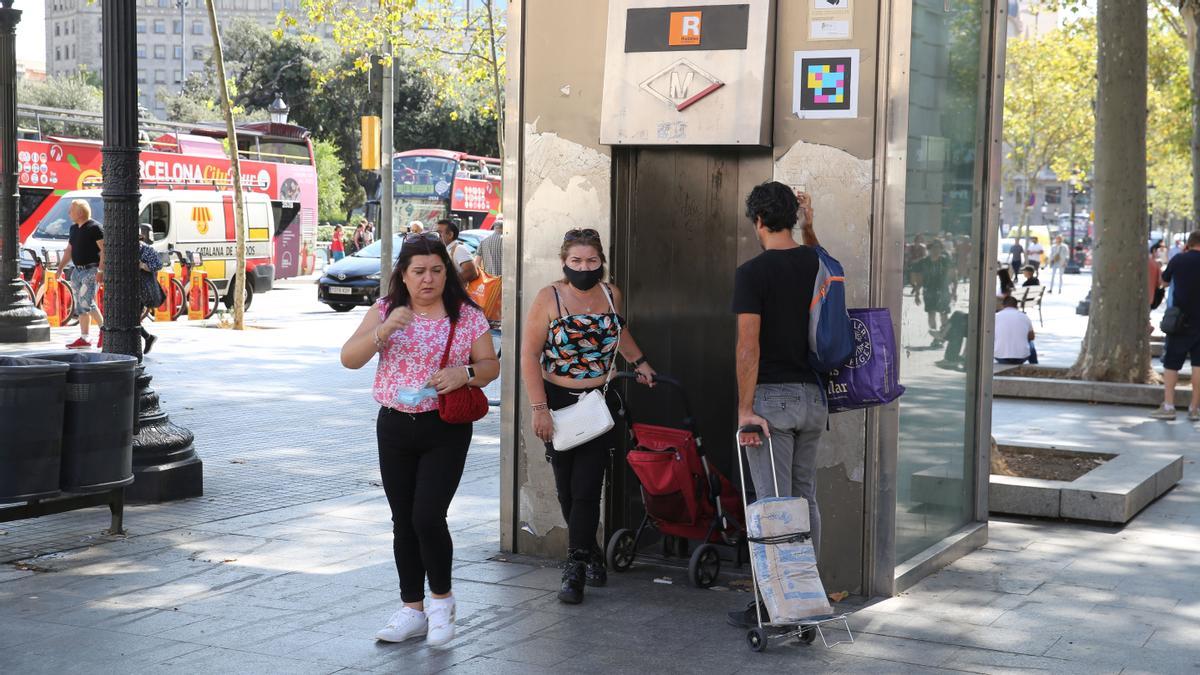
(784, 561)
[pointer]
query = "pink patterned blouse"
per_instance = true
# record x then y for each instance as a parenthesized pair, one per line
(414, 354)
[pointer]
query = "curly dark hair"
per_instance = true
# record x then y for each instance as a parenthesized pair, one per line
(775, 203)
(454, 294)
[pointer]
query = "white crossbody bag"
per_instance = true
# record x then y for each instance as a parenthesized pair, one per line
(589, 417)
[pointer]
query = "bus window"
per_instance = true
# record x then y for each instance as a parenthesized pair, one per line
(31, 199)
(158, 216)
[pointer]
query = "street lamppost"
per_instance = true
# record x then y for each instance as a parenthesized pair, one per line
(278, 109)
(1072, 260)
(20, 320)
(1150, 210)
(164, 462)
(182, 44)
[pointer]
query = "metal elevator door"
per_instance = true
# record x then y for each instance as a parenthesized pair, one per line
(679, 232)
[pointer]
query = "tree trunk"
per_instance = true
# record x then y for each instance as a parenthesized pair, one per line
(1190, 9)
(235, 171)
(1117, 345)
(497, 89)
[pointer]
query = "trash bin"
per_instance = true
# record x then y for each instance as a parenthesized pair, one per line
(98, 424)
(32, 396)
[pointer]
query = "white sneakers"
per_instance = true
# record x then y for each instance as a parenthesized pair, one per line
(436, 623)
(441, 621)
(405, 624)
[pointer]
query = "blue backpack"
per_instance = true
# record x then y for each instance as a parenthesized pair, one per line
(830, 337)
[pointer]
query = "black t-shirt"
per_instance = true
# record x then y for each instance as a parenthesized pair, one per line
(83, 238)
(1032, 281)
(1184, 272)
(778, 286)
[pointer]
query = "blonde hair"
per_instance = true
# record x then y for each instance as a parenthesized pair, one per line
(84, 207)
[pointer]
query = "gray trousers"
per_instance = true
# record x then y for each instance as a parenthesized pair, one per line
(796, 415)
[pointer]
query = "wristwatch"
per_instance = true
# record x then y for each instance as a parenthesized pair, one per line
(640, 360)
(470, 373)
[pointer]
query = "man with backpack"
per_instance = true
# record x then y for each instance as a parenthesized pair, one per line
(778, 389)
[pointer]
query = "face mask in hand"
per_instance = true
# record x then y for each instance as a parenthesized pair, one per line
(584, 280)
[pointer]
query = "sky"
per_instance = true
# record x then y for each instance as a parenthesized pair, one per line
(31, 32)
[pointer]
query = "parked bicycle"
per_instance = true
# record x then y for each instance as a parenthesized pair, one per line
(35, 288)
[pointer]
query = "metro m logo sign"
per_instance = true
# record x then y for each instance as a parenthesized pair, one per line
(685, 29)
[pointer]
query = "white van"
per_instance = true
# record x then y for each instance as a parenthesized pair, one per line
(195, 220)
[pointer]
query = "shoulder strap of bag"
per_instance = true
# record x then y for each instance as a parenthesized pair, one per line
(612, 370)
(449, 341)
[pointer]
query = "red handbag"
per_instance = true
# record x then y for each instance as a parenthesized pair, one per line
(463, 405)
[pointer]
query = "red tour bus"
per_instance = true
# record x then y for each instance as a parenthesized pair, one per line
(433, 184)
(276, 160)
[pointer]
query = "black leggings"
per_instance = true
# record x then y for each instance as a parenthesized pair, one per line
(579, 474)
(421, 460)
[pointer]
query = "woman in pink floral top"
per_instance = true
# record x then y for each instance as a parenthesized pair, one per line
(421, 457)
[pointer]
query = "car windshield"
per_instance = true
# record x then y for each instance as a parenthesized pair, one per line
(57, 223)
(373, 251)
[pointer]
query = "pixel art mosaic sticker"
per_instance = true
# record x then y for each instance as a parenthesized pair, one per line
(826, 84)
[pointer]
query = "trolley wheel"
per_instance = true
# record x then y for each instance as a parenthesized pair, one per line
(757, 639)
(621, 550)
(807, 634)
(704, 567)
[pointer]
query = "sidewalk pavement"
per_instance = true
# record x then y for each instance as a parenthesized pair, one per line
(285, 565)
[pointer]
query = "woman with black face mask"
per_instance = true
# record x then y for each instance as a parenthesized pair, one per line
(572, 334)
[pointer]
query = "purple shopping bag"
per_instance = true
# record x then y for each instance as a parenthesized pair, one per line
(872, 375)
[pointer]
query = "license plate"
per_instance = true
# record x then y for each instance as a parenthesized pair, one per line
(341, 290)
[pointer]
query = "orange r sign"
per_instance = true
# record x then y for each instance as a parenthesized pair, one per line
(685, 29)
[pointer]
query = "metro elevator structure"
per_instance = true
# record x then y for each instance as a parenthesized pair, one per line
(650, 121)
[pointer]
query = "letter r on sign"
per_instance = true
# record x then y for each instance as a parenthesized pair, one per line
(685, 29)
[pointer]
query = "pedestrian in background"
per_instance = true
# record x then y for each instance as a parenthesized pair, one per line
(150, 293)
(569, 348)
(337, 248)
(85, 250)
(1060, 253)
(1016, 257)
(1033, 253)
(1183, 273)
(427, 314)
(937, 288)
(370, 232)
(415, 227)
(360, 236)
(490, 257)
(1014, 335)
(464, 262)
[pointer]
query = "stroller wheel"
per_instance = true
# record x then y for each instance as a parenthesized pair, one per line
(757, 639)
(621, 550)
(807, 634)
(705, 566)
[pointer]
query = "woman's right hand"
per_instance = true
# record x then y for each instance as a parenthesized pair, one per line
(397, 320)
(543, 425)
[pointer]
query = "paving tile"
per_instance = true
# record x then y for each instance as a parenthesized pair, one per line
(215, 660)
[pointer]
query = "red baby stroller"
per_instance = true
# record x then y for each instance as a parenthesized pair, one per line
(683, 495)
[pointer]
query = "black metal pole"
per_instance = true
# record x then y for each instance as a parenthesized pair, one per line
(1072, 263)
(165, 464)
(20, 321)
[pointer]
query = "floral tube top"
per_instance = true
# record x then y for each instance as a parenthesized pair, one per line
(581, 346)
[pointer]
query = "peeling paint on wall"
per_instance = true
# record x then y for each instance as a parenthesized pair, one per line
(840, 185)
(567, 186)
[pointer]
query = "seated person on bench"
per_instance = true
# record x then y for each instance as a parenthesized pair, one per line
(1014, 335)
(1030, 280)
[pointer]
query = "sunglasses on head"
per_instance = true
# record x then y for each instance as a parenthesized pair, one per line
(418, 237)
(588, 233)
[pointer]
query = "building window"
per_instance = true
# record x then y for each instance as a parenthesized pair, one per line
(160, 26)
(197, 28)
(198, 53)
(57, 54)
(141, 51)
(56, 33)
(141, 26)
(178, 52)
(160, 51)
(141, 76)
(178, 78)
(164, 3)
(177, 26)
(160, 76)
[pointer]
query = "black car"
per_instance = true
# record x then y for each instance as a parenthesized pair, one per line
(353, 281)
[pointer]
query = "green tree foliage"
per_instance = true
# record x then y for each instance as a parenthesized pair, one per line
(1049, 91)
(327, 94)
(457, 47)
(67, 92)
(330, 190)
